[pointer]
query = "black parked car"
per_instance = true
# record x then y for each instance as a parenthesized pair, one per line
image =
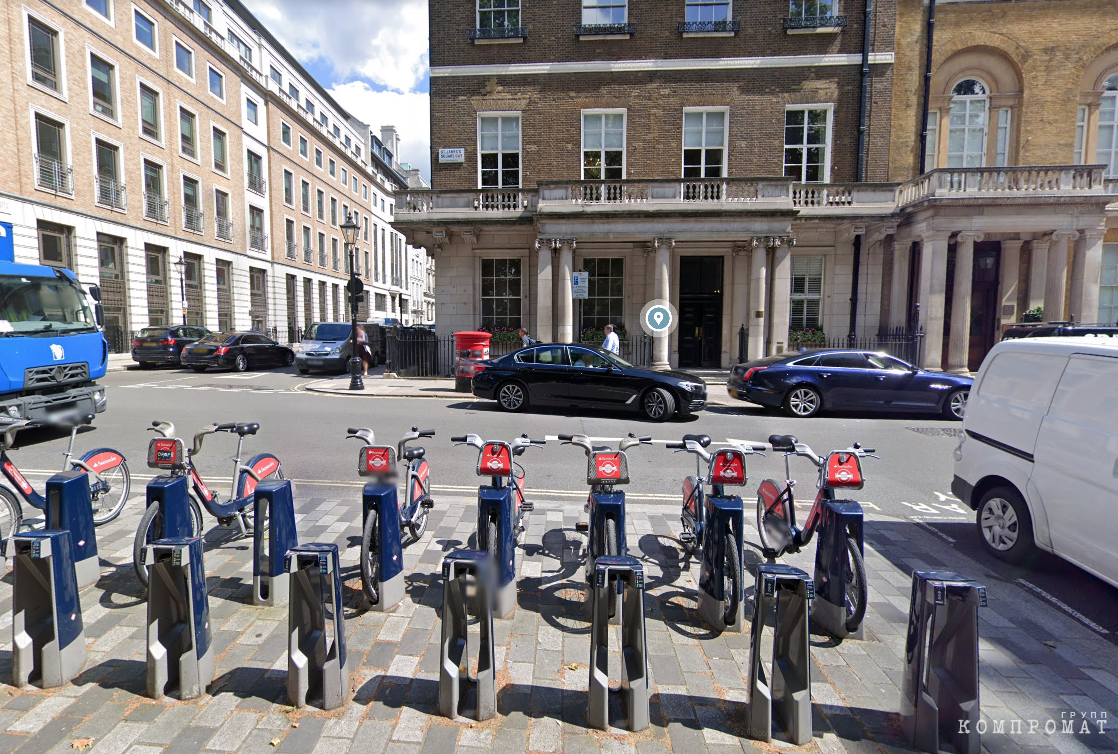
(585, 377)
(803, 384)
(163, 345)
(239, 351)
(1059, 330)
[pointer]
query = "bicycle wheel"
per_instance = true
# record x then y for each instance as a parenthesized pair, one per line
(151, 529)
(418, 525)
(770, 510)
(370, 560)
(731, 578)
(109, 498)
(857, 592)
(11, 514)
(491, 542)
(611, 548)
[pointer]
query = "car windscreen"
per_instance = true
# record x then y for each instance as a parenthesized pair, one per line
(218, 338)
(152, 332)
(327, 331)
(40, 305)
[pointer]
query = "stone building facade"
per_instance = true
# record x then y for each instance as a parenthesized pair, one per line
(162, 151)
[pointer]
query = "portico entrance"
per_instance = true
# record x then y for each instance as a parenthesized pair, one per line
(700, 312)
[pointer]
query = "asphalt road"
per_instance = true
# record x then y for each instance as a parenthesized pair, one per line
(306, 431)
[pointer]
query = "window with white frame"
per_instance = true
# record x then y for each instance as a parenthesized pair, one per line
(499, 151)
(103, 82)
(305, 197)
(807, 137)
(933, 140)
(145, 30)
(288, 188)
(303, 147)
(202, 8)
(604, 12)
(966, 128)
(219, 150)
(217, 84)
(500, 292)
(252, 112)
(45, 55)
(110, 189)
(1106, 152)
(704, 143)
(285, 133)
(1108, 284)
(605, 303)
(188, 133)
(811, 9)
(102, 7)
(707, 11)
(276, 76)
(239, 45)
(498, 14)
(807, 293)
(1081, 136)
(1001, 138)
(150, 113)
(603, 145)
(184, 59)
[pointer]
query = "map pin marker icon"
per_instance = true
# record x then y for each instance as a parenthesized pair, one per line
(659, 317)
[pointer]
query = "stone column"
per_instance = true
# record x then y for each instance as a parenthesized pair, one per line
(758, 295)
(898, 285)
(1038, 270)
(544, 299)
(1087, 275)
(781, 293)
(1007, 287)
(958, 349)
(739, 297)
(566, 295)
(664, 246)
(1056, 283)
(933, 290)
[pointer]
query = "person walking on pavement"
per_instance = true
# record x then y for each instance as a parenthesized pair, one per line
(612, 343)
(363, 349)
(525, 340)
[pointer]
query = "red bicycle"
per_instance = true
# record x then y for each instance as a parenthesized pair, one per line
(776, 513)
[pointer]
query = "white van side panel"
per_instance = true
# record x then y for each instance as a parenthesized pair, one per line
(1075, 470)
(1011, 398)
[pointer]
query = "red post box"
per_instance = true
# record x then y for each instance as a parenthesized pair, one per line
(471, 347)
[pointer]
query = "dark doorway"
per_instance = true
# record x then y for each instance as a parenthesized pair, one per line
(700, 312)
(984, 304)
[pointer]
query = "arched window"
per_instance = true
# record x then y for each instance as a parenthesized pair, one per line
(1107, 151)
(966, 134)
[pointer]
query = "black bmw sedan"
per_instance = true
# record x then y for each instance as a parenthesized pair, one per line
(803, 384)
(163, 345)
(239, 351)
(587, 377)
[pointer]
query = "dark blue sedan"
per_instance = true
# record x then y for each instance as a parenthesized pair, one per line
(803, 384)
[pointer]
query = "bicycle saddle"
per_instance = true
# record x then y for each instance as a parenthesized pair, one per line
(411, 454)
(703, 440)
(783, 442)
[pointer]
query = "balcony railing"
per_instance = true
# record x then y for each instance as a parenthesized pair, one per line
(155, 208)
(224, 229)
(509, 32)
(292, 250)
(308, 255)
(696, 191)
(709, 27)
(110, 193)
(257, 239)
(188, 149)
(257, 183)
(1003, 182)
(604, 30)
(322, 257)
(193, 220)
(53, 175)
(796, 23)
(456, 202)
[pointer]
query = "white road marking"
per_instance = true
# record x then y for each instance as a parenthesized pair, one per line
(243, 376)
(1063, 606)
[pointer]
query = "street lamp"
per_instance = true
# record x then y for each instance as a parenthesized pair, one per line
(180, 265)
(350, 229)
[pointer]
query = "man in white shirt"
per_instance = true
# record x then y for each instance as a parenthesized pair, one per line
(612, 343)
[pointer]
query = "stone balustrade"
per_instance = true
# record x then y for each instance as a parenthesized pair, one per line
(1003, 182)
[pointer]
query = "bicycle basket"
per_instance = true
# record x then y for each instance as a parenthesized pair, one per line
(844, 470)
(728, 467)
(607, 467)
(167, 453)
(377, 460)
(495, 459)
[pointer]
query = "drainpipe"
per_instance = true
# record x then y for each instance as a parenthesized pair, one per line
(854, 287)
(927, 86)
(863, 111)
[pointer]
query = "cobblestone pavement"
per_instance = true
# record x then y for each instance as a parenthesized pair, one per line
(1037, 664)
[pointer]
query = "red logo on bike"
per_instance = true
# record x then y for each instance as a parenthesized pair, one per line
(13, 474)
(104, 460)
(165, 454)
(728, 467)
(495, 460)
(608, 466)
(843, 470)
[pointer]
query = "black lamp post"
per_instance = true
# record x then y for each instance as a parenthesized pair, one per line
(350, 229)
(180, 265)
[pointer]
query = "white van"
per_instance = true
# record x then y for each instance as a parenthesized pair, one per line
(1038, 460)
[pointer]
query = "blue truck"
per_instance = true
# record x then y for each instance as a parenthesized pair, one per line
(51, 347)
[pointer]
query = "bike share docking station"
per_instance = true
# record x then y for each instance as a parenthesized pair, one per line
(70, 508)
(611, 573)
(842, 521)
(171, 493)
(316, 654)
(48, 639)
(785, 691)
(939, 685)
(724, 521)
(380, 498)
(459, 570)
(498, 505)
(180, 655)
(273, 502)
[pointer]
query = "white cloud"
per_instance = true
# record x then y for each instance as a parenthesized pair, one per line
(384, 41)
(410, 112)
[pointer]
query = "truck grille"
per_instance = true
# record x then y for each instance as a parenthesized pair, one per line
(55, 375)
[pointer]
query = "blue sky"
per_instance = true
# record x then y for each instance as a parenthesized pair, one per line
(370, 54)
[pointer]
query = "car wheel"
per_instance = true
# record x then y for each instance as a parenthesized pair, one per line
(1005, 526)
(288, 359)
(803, 401)
(375, 361)
(512, 396)
(144, 364)
(956, 405)
(304, 371)
(199, 369)
(658, 404)
(241, 363)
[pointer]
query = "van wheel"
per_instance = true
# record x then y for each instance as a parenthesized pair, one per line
(956, 405)
(1005, 526)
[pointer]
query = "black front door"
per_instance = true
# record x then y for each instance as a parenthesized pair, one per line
(700, 312)
(985, 308)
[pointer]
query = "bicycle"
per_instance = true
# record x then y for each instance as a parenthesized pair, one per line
(237, 509)
(413, 514)
(604, 507)
(776, 513)
(109, 485)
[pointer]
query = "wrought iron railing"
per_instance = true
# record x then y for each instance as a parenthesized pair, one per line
(257, 239)
(595, 30)
(815, 22)
(508, 32)
(257, 183)
(110, 193)
(54, 175)
(292, 250)
(709, 27)
(155, 208)
(224, 229)
(193, 220)
(308, 254)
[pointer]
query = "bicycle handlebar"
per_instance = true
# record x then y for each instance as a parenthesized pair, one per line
(566, 438)
(167, 429)
(11, 430)
(459, 439)
(675, 446)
